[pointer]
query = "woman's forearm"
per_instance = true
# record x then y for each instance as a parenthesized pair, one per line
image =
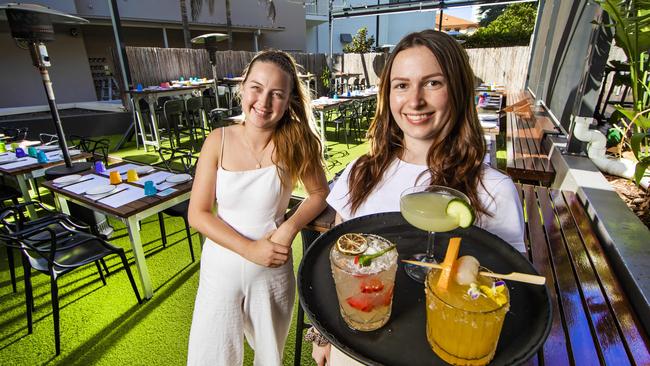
(308, 210)
(214, 228)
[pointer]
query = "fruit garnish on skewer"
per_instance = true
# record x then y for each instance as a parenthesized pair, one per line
(467, 268)
(449, 262)
(513, 276)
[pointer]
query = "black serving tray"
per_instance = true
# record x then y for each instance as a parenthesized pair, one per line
(402, 341)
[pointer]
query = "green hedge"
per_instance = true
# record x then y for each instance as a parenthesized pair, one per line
(512, 28)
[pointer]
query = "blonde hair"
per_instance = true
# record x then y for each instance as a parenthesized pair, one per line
(455, 157)
(297, 145)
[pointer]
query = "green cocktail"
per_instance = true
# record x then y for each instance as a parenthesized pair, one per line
(428, 211)
(433, 209)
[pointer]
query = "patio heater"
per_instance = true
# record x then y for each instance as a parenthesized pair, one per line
(209, 42)
(32, 24)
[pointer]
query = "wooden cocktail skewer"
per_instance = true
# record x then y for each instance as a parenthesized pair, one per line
(514, 276)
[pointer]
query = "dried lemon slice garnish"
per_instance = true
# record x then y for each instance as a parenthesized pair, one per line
(351, 244)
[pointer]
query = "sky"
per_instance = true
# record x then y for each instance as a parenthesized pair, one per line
(464, 12)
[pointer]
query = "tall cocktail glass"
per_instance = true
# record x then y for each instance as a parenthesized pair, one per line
(425, 207)
(460, 329)
(365, 294)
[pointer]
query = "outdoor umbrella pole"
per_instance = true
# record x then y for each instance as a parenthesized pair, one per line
(41, 60)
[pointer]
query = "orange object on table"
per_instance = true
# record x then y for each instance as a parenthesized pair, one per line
(114, 177)
(449, 262)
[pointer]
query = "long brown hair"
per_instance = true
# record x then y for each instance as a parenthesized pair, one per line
(456, 154)
(297, 149)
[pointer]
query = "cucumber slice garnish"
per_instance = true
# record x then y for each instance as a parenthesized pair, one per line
(462, 210)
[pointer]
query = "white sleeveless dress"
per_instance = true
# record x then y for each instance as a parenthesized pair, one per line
(236, 297)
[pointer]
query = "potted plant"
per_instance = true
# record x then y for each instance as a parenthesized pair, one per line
(631, 23)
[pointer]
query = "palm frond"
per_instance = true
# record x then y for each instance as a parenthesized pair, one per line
(271, 9)
(196, 7)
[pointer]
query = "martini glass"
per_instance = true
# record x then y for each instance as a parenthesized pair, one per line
(425, 207)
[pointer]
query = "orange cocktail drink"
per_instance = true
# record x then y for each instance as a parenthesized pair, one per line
(464, 321)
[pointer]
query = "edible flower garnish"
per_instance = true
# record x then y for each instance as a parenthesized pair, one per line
(473, 291)
(496, 292)
(366, 259)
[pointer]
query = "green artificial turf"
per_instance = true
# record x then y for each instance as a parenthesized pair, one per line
(104, 325)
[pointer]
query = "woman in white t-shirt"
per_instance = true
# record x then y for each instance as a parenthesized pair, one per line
(425, 131)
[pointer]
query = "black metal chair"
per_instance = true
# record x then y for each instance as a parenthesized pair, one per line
(55, 246)
(187, 162)
(175, 115)
(48, 138)
(96, 147)
(197, 108)
(49, 218)
(14, 134)
(347, 120)
(8, 193)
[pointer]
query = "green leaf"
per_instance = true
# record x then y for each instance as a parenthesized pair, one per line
(643, 122)
(635, 143)
(640, 169)
(628, 113)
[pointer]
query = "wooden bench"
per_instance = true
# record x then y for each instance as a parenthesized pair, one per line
(527, 159)
(593, 321)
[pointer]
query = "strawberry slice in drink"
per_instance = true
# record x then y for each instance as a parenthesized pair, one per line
(381, 299)
(361, 302)
(371, 285)
(388, 296)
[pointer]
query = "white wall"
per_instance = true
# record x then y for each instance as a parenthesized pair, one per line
(391, 28)
(395, 26)
(70, 72)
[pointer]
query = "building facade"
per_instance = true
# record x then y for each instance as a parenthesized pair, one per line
(80, 54)
(386, 29)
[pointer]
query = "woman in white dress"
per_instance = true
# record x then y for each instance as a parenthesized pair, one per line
(425, 131)
(247, 171)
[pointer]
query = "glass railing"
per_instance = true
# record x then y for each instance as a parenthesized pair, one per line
(316, 7)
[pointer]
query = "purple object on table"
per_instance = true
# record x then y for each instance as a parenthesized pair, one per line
(20, 153)
(99, 167)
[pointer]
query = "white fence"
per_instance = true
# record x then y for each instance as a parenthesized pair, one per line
(506, 66)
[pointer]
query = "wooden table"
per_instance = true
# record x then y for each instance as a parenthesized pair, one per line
(130, 214)
(25, 174)
(360, 96)
(593, 322)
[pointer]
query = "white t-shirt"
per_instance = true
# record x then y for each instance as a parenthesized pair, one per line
(502, 202)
